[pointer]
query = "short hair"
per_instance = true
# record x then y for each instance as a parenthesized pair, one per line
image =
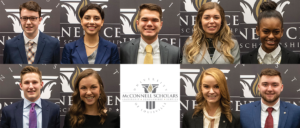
(32, 6)
(270, 72)
(269, 10)
(31, 69)
(91, 6)
(152, 7)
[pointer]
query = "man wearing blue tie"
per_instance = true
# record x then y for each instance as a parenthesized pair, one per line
(270, 112)
(32, 112)
(32, 46)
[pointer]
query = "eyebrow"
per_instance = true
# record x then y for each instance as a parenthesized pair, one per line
(209, 15)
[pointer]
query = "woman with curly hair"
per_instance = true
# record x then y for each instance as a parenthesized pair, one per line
(211, 42)
(213, 103)
(88, 104)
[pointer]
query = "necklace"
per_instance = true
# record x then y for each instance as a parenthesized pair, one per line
(91, 46)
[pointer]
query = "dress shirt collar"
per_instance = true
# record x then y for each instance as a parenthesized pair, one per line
(155, 46)
(274, 53)
(35, 39)
(275, 107)
(27, 103)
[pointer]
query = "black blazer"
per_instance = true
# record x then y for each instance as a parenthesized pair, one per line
(197, 121)
(287, 57)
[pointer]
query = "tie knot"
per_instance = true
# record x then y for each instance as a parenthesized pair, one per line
(149, 48)
(31, 42)
(270, 109)
(32, 105)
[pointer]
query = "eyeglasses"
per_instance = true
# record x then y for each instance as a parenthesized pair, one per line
(25, 19)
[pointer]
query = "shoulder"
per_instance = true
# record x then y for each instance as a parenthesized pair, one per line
(169, 46)
(107, 43)
(49, 38)
(72, 45)
(12, 107)
(247, 107)
(15, 39)
(292, 107)
(129, 43)
(189, 114)
(235, 116)
(250, 53)
(188, 40)
(235, 42)
(292, 54)
(50, 104)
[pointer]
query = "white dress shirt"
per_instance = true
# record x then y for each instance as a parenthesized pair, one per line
(142, 52)
(26, 110)
(268, 58)
(275, 114)
(35, 40)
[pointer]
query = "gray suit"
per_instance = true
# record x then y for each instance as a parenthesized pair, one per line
(218, 58)
(129, 51)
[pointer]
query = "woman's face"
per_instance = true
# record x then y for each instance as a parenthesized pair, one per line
(211, 22)
(210, 89)
(92, 22)
(270, 32)
(89, 90)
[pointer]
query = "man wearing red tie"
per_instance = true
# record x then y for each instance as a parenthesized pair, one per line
(32, 112)
(270, 112)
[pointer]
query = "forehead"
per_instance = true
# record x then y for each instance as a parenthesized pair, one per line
(211, 12)
(270, 23)
(270, 79)
(88, 81)
(208, 79)
(92, 12)
(146, 13)
(31, 76)
(26, 12)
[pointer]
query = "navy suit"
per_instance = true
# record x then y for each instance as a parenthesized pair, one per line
(12, 115)
(47, 50)
(289, 116)
(75, 53)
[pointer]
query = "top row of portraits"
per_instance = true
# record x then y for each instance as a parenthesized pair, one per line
(212, 40)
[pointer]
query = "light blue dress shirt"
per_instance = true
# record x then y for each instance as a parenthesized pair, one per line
(26, 110)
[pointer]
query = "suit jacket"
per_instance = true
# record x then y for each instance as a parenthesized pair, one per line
(75, 53)
(197, 121)
(287, 57)
(169, 54)
(289, 116)
(218, 58)
(47, 50)
(12, 115)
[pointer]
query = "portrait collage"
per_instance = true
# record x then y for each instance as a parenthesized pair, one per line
(149, 64)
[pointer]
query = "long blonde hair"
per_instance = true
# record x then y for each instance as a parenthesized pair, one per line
(199, 41)
(225, 97)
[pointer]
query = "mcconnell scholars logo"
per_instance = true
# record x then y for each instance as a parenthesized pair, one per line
(251, 9)
(194, 5)
(249, 85)
(150, 95)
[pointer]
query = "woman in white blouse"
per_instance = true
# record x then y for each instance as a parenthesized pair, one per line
(213, 103)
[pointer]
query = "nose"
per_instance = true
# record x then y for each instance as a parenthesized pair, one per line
(211, 90)
(28, 21)
(271, 35)
(30, 85)
(88, 92)
(149, 23)
(211, 20)
(269, 88)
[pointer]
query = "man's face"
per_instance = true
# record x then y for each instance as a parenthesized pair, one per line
(270, 88)
(31, 25)
(149, 24)
(31, 86)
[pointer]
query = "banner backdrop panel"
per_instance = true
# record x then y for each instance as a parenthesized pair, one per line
(71, 29)
(10, 91)
(189, 74)
(248, 20)
(188, 15)
(110, 75)
(150, 95)
(170, 29)
(11, 25)
(249, 78)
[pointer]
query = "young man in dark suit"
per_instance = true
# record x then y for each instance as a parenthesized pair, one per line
(270, 112)
(32, 46)
(149, 49)
(32, 111)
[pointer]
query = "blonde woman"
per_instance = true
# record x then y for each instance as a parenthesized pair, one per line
(211, 42)
(213, 103)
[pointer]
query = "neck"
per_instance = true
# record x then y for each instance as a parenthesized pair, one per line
(91, 40)
(32, 100)
(270, 104)
(91, 109)
(31, 36)
(211, 108)
(149, 40)
(209, 35)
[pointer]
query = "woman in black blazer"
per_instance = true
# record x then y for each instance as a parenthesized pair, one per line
(213, 103)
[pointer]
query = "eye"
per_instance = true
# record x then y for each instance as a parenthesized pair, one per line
(83, 87)
(216, 86)
(86, 17)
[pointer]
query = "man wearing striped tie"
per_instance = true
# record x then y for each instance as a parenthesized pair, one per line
(270, 111)
(32, 111)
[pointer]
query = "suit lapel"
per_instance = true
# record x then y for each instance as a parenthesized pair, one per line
(198, 120)
(256, 115)
(80, 49)
(217, 54)
(19, 114)
(253, 57)
(284, 56)
(206, 56)
(40, 48)
(283, 114)
(101, 51)
(135, 50)
(223, 121)
(21, 47)
(45, 114)
(164, 52)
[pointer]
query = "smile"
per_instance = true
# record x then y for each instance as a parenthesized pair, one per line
(270, 42)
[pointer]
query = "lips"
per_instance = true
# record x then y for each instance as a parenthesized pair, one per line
(89, 98)
(30, 92)
(212, 28)
(91, 28)
(270, 42)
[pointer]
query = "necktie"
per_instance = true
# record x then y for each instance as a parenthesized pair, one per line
(148, 58)
(30, 53)
(32, 117)
(269, 120)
